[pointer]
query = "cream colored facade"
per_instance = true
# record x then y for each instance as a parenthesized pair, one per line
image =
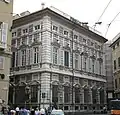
(116, 64)
(6, 9)
(48, 47)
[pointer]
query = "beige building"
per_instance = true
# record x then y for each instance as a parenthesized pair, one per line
(116, 64)
(6, 9)
(57, 62)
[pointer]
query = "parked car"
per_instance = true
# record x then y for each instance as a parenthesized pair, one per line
(57, 112)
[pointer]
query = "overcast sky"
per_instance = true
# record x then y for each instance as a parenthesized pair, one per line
(83, 10)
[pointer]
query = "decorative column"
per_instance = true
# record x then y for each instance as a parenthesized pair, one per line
(45, 89)
(46, 42)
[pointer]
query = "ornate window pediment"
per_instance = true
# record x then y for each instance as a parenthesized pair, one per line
(76, 51)
(23, 46)
(55, 43)
(84, 54)
(93, 57)
(100, 60)
(67, 47)
(36, 43)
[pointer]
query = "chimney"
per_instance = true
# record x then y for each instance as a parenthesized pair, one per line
(43, 5)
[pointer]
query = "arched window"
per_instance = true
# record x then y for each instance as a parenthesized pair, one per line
(66, 94)
(94, 95)
(77, 95)
(55, 93)
(102, 96)
(86, 95)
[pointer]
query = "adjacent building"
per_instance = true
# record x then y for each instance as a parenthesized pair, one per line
(109, 71)
(57, 61)
(116, 64)
(6, 9)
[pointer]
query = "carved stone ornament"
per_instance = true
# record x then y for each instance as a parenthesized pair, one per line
(55, 43)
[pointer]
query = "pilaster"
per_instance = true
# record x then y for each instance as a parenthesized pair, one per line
(45, 89)
(46, 42)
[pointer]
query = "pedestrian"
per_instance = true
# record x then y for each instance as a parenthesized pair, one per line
(37, 112)
(17, 110)
(42, 111)
(32, 112)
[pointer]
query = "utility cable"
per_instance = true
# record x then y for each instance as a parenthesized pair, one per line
(104, 10)
(102, 14)
(111, 23)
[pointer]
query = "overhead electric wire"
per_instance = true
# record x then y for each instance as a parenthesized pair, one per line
(111, 23)
(104, 10)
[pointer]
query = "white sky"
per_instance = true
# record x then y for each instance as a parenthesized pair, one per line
(83, 10)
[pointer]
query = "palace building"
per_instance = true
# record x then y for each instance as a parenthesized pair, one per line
(57, 61)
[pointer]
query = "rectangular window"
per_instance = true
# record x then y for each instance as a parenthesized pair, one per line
(1, 62)
(23, 57)
(36, 37)
(66, 58)
(76, 61)
(55, 51)
(25, 31)
(55, 28)
(13, 34)
(119, 62)
(116, 83)
(13, 60)
(75, 38)
(114, 64)
(36, 54)
(66, 33)
(37, 27)
(16, 59)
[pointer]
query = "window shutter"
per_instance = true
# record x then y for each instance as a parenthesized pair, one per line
(1, 62)
(4, 34)
(31, 56)
(71, 60)
(19, 58)
(27, 57)
(61, 57)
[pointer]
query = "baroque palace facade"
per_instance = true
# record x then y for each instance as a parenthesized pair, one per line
(56, 62)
